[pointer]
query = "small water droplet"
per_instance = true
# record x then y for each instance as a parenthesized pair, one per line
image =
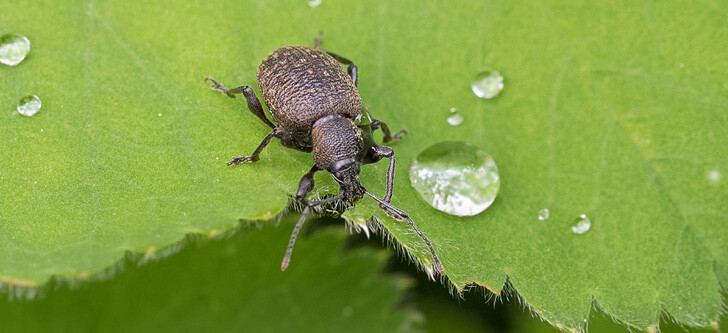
(13, 49)
(543, 214)
(456, 178)
(714, 176)
(29, 105)
(455, 119)
(159, 114)
(314, 3)
(217, 158)
(488, 84)
(583, 224)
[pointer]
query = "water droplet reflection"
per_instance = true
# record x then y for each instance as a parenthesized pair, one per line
(29, 105)
(583, 224)
(488, 84)
(456, 178)
(13, 49)
(543, 214)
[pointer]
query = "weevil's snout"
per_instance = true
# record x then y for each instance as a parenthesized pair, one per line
(346, 173)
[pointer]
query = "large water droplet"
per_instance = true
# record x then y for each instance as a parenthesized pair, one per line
(543, 214)
(583, 224)
(29, 105)
(13, 49)
(488, 84)
(456, 178)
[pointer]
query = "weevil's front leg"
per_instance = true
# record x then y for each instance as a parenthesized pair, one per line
(378, 153)
(306, 184)
(275, 133)
(253, 102)
(376, 124)
(402, 215)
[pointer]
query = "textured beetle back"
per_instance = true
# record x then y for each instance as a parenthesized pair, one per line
(301, 84)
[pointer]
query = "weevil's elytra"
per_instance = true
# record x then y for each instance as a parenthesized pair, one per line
(297, 92)
(315, 105)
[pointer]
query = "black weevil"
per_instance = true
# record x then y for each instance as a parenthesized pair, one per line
(316, 108)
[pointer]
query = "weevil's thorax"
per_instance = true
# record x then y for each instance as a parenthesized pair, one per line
(339, 147)
(301, 85)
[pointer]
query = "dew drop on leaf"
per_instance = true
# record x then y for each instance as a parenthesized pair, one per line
(487, 84)
(543, 214)
(455, 119)
(13, 49)
(583, 224)
(29, 105)
(455, 177)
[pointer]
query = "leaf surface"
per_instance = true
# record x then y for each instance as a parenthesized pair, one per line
(614, 110)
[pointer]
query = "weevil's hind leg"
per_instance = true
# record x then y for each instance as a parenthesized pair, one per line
(376, 124)
(318, 40)
(297, 229)
(253, 102)
(350, 67)
(275, 133)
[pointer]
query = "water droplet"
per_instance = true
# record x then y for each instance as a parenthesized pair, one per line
(487, 84)
(314, 3)
(543, 214)
(455, 119)
(583, 224)
(159, 114)
(456, 178)
(29, 105)
(714, 176)
(13, 49)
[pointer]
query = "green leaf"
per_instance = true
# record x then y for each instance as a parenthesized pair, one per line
(610, 109)
(232, 285)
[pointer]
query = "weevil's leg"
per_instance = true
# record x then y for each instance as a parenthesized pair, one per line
(380, 152)
(377, 124)
(292, 240)
(275, 133)
(318, 40)
(306, 184)
(350, 67)
(402, 214)
(253, 102)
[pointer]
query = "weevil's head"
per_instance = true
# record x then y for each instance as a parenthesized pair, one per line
(337, 148)
(346, 173)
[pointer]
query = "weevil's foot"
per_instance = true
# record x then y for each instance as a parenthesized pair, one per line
(391, 213)
(237, 160)
(397, 136)
(217, 86)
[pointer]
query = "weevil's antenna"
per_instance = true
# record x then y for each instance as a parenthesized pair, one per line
(292, 241)
(304, 214)
(404, 215)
